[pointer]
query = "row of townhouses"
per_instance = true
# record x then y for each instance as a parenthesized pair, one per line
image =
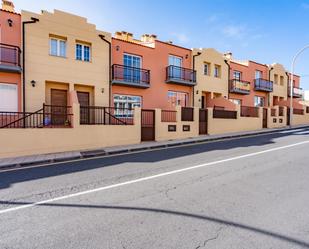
(51, 62)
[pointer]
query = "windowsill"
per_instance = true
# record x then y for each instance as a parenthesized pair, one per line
(58, 56)
(83, 61)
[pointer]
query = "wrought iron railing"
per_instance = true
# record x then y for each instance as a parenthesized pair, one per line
(130, 74)
(298, 111)
(99, 115)
(239, 86)
(9, 55)
(273, 112)
(168, 116)
(281, 111)
(249, 111)
(181, 74)
(263, 85)
(47, 117)
(221, 113)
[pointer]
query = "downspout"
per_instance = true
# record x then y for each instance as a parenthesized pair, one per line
(193, 66)
(229, 74)
(269, 71)
(287, 74)
(110, 68)
(33, 20)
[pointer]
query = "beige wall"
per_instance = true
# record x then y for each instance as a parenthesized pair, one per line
(300, 119)
(161, 128)
(274, 122)
(278, 90)
(221, 126)
(43, 68)
(21, 142)
(209, 83)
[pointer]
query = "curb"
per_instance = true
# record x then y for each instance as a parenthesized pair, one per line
(102, 153)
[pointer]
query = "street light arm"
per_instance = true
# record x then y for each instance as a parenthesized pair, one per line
(292, 79)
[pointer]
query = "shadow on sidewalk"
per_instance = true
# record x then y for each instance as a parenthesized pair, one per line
(260, 231)
(11, 177)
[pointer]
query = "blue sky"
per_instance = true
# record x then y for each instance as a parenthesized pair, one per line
(266, 31)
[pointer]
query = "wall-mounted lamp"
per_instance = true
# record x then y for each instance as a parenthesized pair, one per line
(187, 56)
(197, 92)
(102, 90)
(33, 83)
(10, 22)
(117, 48)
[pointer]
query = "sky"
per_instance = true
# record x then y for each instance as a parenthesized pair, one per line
(265, 31)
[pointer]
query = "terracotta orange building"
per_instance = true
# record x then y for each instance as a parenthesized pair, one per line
(150, 73)
(249, 83)
(10, 69)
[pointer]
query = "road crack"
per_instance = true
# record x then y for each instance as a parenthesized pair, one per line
(210, 239)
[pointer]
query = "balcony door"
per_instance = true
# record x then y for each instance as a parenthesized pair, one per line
(132, 65)
(175, 72)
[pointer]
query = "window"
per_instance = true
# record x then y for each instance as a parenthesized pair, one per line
(217, 72)
(281, 80)
(8, 97)
(57, 47)
(83, 52)
(177, 98)
(174, 61)
(237, 75)
(125, 104)
(130, 62)
(259, 101)
(258, 74)
(236, 101)
(276, 78)
(206, 68)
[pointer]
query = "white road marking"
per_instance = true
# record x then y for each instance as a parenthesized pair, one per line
(148, 178)
(302, 133)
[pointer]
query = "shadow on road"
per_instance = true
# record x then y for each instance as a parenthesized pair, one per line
(10, 177)
(228, 223)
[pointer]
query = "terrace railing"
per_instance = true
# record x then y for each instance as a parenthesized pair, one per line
(219, 113)
(249, 111)
(99, 115)
(168, 116)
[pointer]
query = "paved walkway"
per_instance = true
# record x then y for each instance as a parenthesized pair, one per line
(65, 156)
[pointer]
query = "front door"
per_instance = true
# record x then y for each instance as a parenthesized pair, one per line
(58, 106)
(148, 125)
(83, 99)
(264, 117)
(203, 117)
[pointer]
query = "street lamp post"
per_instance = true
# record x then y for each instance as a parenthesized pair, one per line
(291, 81)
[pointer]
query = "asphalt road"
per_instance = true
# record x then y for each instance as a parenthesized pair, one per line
(242, 193)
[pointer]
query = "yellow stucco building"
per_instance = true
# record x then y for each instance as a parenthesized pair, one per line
(65, 53)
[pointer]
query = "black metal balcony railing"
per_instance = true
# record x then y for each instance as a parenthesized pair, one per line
(297, 92)
(180, 75)
(9, 55)
(263, 85)
(239, 86)
(131, 76)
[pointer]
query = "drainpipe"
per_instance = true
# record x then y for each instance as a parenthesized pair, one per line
(269, 71)
(229, 74)
(110, 68)
(193, 66)
(33, 20)
(287, 74)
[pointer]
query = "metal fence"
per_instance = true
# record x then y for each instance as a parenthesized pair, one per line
(219, 113)
(168, 116)
(298, 111)
(249, 111)
(180, 73)
(99, 115)
(47, 117)
(9, 55)
(281, 111)
(273, 112)
(187, 114)
(130, 74)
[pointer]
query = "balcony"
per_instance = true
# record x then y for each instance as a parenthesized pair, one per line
(130, 76)
(180, 75)
(9, 58)
(297, 92)
(239, 86)
(263, 85)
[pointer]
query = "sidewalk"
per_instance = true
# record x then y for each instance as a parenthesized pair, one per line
(23, 161)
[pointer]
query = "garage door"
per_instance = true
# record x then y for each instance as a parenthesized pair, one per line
(8, 97)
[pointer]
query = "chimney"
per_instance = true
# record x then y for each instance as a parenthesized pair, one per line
(145, 38)
(229, 55)
(123, 35)
(152, 38)
(8, 6)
